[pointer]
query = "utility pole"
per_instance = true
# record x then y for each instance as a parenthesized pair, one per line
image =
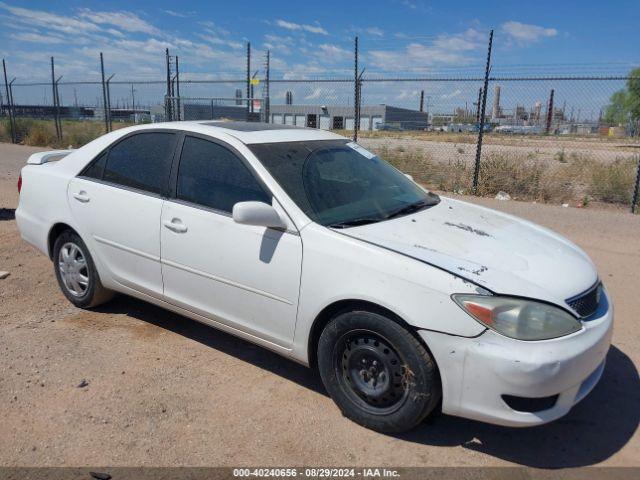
(476, 170)
(422, 100)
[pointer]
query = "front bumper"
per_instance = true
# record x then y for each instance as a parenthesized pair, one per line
(477, 372)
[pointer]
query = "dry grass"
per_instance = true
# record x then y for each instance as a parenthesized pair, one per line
(570, 177)
(578, 178)
(42, 133)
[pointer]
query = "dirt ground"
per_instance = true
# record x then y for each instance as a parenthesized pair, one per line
(518, 146)
(166, 391)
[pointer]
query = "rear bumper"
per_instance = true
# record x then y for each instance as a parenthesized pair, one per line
(32, 230)
(477, 372)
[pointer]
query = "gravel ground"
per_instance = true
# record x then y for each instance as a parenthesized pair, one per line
(517, 147)
(164, 390)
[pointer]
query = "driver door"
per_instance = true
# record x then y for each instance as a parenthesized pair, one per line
(243, 276)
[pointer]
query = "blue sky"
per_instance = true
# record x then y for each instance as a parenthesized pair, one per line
(315, 39)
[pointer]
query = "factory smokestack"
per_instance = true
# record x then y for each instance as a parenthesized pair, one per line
(495, 111)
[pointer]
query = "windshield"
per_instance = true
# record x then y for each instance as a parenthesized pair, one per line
(340, 184)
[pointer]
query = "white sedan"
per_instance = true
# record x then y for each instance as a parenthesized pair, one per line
(305, 243)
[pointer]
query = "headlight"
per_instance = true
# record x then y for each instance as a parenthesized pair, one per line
(518, 318)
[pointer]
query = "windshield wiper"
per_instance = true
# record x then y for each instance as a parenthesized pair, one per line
(411, 208)
(355, 222)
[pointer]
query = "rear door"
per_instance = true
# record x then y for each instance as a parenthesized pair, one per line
(117, 202)
(244, 276)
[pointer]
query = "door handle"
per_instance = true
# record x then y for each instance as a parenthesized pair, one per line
(81, 196)
(175, 225)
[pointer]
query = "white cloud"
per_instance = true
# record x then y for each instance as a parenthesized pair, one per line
(36, 38)
(173, 13)
(329, 53)
(301, 27)
(283, 45)
(50, 21)
(444, 50)
(524, 33)
(215, 40)
(378, 32)
(407, 94)
(448, 96)
(126, 21)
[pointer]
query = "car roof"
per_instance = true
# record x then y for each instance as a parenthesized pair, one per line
(250, 132)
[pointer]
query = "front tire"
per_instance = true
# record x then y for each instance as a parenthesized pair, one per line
(76, 273)
(378, 373)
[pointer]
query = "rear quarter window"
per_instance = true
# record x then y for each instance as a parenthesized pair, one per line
(141, 161)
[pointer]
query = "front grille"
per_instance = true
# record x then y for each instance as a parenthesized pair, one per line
(587, 302)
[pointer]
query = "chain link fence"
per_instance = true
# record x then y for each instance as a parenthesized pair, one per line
(553, 139)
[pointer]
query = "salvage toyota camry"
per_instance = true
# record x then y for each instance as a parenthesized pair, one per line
(306, 243)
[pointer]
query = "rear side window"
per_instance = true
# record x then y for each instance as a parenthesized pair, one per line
(213, 176)
(142, 161)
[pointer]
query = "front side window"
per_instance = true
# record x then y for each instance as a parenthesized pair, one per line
(96, 167)
(340, 184)
(141, 161)
(212, 176)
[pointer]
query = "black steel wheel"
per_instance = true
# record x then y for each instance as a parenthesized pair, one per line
(377, 372)
(371, 371)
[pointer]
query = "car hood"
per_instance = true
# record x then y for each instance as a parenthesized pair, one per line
(499, 252)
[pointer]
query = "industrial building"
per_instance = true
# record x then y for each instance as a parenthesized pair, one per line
(334, 117)
(215, 111)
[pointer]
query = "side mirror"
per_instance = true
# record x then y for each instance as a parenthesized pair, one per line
(258, 214)
(410, 177)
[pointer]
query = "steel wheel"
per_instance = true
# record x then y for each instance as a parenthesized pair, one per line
(72, 266)
(371, 371)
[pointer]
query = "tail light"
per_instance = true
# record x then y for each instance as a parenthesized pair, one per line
(19, 184)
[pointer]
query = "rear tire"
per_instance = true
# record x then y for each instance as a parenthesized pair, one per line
(76, 272)
(378, 373)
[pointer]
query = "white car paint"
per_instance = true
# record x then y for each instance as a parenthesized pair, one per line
(269, 286)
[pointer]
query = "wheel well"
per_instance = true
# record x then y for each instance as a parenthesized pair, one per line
(330, 311)
(54, 233)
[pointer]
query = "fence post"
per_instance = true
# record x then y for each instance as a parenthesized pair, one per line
(476, 170)
(13, 110)
(104, 95)
(57, 102)
(56, 112)
(248, 79)
(177, 89)
(356, 93)
(167, 104)
(109, 123)
(267, 114)
(12, 126)
(636, 189)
